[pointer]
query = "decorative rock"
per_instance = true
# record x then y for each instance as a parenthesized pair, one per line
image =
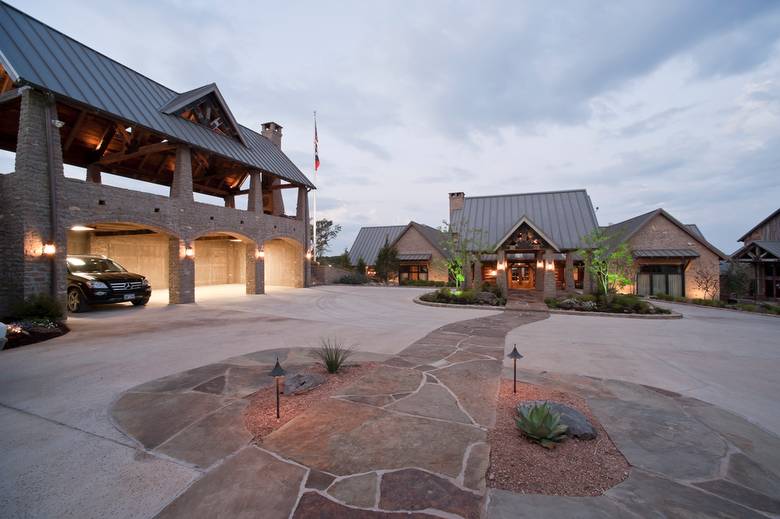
(578, 424)
(487, 298)
(302, 382)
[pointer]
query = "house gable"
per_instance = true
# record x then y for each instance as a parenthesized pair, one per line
(526, 235)
(768, 229)
(205, 106)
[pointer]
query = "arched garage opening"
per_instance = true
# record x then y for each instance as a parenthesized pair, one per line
(138, 248)
(223, 261)
(283, 263)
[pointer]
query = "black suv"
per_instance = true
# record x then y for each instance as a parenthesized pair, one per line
(99, 280)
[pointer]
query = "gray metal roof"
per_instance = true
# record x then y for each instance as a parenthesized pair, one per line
(772, 247)
(370, 239)
(694, 229)
(564, 216)
(38, 55)
(665, 253)
(414, 257)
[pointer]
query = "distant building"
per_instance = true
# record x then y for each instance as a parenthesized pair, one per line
(761, 250)
(421, 250)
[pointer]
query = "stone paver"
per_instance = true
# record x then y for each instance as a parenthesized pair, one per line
(413, 489)
(316, 506)
(359, 491)
(509, 505)
(433, 401)
(251, 484)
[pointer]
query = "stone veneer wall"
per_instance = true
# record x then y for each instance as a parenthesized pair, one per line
(26, 210)
(661, 233)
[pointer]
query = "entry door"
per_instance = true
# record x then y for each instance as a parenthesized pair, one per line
(521, 276)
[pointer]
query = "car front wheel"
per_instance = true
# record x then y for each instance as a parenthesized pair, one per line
(76, 301)
(140, 302)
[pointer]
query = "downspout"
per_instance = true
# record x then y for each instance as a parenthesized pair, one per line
(53, 220)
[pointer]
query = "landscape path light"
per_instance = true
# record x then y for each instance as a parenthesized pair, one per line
(514, 355)
(277, 373)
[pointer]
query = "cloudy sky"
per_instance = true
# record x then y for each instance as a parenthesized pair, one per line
(650, 104)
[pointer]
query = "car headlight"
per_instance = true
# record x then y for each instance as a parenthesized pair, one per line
(145, 282)
(96, 284)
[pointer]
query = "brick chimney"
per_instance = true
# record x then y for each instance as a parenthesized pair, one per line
(456, 202)
(273, 132)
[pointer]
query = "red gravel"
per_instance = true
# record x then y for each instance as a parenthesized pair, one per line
(573, 468)
(260, 415)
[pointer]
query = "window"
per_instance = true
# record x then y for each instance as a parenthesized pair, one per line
(416, 272)
(660, 279)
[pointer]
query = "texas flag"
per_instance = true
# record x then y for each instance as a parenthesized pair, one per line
(316, 147)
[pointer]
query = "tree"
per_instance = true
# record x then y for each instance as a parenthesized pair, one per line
(386, 261)
(611, 265)
(343, 261)
(707, 281)
(737, 280)
(461, 249)
(361, 267)
(326, 232)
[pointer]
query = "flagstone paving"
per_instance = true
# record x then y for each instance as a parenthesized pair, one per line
(410, 439)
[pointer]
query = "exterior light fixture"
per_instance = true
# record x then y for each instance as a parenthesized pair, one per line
(514, 355)
(278, 372)
(57, 123)
(308, 255)
(493, 272)
(235, 240)
(540, 264)
(129, 129)
(49, 249)
(189, 252)
(81, 228)
(259, 254)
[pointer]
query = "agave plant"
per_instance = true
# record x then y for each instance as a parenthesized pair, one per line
(332, 354)
(541, 424)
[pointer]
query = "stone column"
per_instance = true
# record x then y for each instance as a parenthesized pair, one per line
(255, 271)
(549, 273)
(501, 279)
(303, 204)
(276, 196)
(255, 202)
(587, 285)
(94, 174)
(302, 215)
(568, 271)
(181, 273)
(539, 265)
(230, 201)
(30, 214)
(181, 187)
(478, 274)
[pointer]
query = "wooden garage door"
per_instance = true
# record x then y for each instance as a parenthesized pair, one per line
(145, 254)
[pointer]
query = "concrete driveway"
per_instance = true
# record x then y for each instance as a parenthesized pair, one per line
(728, 358)
(61, 455)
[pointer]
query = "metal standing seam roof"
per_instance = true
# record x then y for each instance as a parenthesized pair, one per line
(772, 247)
(414, 257)
(665, 253)
(34, 53)
(370, 239)
(564, 216)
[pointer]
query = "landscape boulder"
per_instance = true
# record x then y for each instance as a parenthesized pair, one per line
(578, 424)
(302, 382)
(487, 298)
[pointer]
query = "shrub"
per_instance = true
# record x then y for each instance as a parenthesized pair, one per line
(353, 279)
(421, 283)
(39, 306)
(541, 425)
(551, 302)
(332, 354)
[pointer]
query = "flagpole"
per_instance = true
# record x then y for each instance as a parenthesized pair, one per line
(314, 195)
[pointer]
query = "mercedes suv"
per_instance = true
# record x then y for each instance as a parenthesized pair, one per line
(99, 280)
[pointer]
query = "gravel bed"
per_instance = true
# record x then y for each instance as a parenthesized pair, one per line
(573, 468)
(260, 415)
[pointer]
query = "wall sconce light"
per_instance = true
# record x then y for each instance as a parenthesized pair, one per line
(81, 228)
(550, 265)
(308, 255)
(540, 264)
(259, 254)
(189, 252)
(57, 123)
(49, 249)
(493, 273)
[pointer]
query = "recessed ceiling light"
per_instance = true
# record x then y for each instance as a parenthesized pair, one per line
(81, 228)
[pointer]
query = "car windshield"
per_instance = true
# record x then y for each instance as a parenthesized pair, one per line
(93, 265)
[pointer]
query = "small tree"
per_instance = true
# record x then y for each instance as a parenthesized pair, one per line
(343, 261)
(611, 265)
(461, 248)
(386, 261)
(326, 232)
(707, 281)
(361, 267)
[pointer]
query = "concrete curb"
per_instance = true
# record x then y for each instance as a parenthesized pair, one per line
(467, 307)
(713, 307)
(673, 315)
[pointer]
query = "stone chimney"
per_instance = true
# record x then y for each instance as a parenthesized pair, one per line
(456, 202)
(273, 132)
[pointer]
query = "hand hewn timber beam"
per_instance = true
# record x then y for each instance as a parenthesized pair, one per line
(75, 130)
(108, 136)
(143, 150)
(283, 186)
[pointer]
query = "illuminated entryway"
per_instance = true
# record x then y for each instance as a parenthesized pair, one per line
(284, 264)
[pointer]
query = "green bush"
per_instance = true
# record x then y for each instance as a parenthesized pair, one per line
(457, 297)
(541, 425)
(551, 302)
(332, 354)
(353, 279)
(39, 306)
(421, 283)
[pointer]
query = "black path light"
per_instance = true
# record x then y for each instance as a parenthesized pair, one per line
(514, 355)
(277, 373)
